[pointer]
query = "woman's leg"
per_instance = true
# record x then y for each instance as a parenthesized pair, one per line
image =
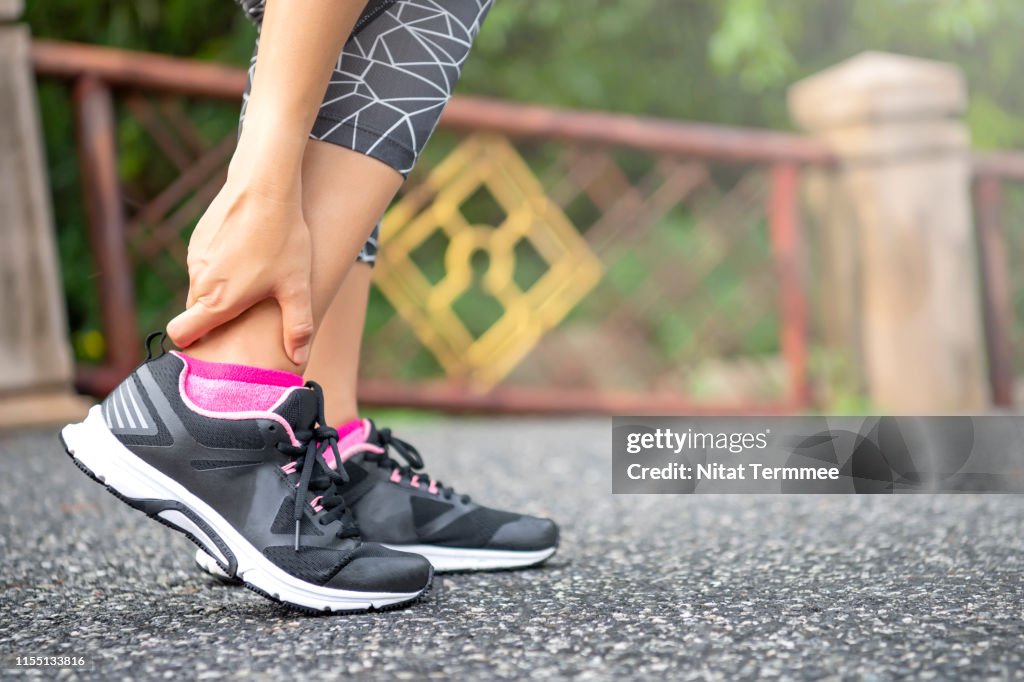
(396, 76)
(384, 98)
(253, 243)
(334, 362)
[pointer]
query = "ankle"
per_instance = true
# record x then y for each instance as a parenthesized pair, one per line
(341, 414)
(216, 351)
(253, 338)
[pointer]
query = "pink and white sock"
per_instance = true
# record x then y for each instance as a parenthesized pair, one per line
(225, 388)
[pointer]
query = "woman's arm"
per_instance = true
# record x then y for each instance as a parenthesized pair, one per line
(252, 243)
(299, 45)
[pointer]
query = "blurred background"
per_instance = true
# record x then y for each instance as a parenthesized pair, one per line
(701, 211)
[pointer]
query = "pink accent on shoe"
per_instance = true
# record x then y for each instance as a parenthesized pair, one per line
(396, 477)
(351, 441)
(351, 452)
(415, 482)
(315, 503)
(290, 468)
(226, 393)
(433, 487)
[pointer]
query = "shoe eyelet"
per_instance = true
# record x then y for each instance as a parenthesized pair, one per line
(272, 427)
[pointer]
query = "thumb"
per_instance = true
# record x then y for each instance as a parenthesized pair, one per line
(197, 321)
(297, 319)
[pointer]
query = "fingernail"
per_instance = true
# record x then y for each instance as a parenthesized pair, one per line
(302, 355)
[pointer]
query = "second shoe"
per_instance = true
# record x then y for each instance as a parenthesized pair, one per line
(398, 505)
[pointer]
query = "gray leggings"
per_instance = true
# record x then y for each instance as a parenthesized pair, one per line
(392, 79)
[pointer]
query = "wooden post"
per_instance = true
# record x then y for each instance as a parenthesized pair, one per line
(895, 124)
(35, 358)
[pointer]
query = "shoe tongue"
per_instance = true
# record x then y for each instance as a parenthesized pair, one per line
(300, 409)
(372, 436)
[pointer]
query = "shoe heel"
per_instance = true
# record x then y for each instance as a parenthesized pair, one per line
(98, 453)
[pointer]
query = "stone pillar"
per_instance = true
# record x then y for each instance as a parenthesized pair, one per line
(904, 153)
(35, 358)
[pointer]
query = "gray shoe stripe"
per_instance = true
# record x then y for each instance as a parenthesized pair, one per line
(117, 412)
(163, 408)
(143, 422)
(435, 525)
(125, 411)
(124, 403)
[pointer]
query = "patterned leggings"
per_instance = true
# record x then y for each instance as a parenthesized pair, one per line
(392, 79)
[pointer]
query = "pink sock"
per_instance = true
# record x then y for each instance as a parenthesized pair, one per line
(221, 387)
(351, 441)
(351, 433)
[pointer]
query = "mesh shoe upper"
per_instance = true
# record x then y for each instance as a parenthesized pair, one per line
(397, 503)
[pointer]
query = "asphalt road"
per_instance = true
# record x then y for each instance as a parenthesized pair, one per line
(678, 587)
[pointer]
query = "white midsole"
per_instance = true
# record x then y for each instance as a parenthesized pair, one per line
(463, 559)
(210, 565)
(92, 444)
(442, 558)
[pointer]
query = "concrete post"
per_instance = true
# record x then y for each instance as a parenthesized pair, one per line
(895, 123)
(35, 359)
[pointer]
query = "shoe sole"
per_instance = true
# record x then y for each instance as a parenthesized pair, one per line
(459, 559)
(443, 559)
(98, 453)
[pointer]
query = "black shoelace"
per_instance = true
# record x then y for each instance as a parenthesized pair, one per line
(413, 458)
(313, 444)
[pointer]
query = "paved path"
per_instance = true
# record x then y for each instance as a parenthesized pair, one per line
(727, 587)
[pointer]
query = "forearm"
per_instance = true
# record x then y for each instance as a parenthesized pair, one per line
(299, 45)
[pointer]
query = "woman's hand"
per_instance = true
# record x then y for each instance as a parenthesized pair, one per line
(250, 245)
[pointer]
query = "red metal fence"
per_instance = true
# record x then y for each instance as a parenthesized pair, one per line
(999, 195)
(695, 230)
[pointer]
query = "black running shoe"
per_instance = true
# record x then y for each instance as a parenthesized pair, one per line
(251, 489)
(401, 507)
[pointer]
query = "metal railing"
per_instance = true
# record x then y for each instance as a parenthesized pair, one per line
(719, 205)
(998, 244)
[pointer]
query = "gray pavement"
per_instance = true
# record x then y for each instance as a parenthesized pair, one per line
(701, 587)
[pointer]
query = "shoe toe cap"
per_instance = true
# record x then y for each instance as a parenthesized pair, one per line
(525, 534)
(374, 568)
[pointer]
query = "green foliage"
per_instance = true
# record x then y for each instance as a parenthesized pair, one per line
(205, 29)
(214, 30)
(730, 61)
(749, 43)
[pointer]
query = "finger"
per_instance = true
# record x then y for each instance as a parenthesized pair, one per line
(195, 277)
(297, 318)
(206, 314)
